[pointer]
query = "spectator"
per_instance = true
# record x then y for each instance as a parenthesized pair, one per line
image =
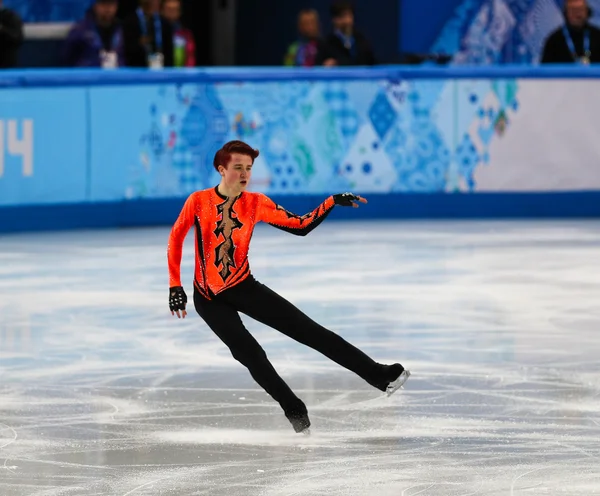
(345, 45)
(11, 37)
(576, 41)
(148, 37)
(97, 40)
(184, 46)
(303, 52)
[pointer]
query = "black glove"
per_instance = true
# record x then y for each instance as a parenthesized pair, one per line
(177, 298)
(346, 199)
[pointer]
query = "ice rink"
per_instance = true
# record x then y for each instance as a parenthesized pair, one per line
(103, 392)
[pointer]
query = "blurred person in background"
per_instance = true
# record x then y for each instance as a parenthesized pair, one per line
(11, 37)
(345, 45)
(184, 45)
(148, 37)
(303, 52)
(97, 40)
(576, 41)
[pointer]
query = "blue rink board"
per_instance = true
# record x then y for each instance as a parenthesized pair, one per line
(157, 212)
(91, 193)
(32, 78)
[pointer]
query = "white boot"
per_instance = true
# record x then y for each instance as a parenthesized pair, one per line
(398, 383)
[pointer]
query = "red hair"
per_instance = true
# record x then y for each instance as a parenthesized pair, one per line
(223, 156)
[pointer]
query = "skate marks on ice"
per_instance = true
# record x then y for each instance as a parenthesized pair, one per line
(5, 443)
(103, 393)
(448, 435)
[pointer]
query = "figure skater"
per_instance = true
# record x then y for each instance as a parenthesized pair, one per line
(224, 217)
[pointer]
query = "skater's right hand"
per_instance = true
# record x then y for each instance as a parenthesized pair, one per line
(177, 301)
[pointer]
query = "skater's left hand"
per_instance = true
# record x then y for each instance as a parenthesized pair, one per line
(177, 301)
(348, 199)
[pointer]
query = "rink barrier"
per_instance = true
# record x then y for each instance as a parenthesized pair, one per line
(63, 78)
(415, 206)
(80, 208)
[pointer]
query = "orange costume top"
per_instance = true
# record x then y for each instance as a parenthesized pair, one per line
(224, 227)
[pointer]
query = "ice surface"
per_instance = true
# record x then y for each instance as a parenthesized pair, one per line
(103, 392)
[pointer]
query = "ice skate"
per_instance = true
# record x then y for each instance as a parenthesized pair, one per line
(398, 383)
(300, 423)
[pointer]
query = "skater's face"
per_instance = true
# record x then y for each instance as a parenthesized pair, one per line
(236, 175)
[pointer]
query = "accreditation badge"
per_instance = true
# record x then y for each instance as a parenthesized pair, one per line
(586, 59)
(109, 60)
(156, 61)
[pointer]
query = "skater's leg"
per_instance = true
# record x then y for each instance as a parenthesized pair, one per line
(261, 303)
(225, 322)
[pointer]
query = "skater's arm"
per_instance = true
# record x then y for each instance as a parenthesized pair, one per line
(178, 233)
(279, 217)
(300, 225)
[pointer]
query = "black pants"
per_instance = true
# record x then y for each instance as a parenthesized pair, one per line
(264, 305)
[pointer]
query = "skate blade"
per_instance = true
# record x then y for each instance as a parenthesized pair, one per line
(398, 383)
